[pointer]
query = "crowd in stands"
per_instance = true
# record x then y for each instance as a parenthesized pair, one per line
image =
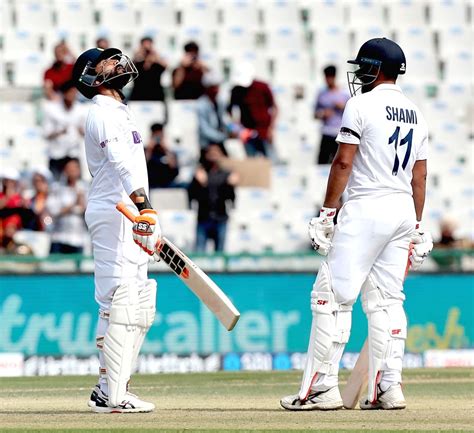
(238, 114)
(55, 199)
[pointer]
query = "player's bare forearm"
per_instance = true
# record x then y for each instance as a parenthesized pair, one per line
(140, 199)
(341, 169)
(418, 185)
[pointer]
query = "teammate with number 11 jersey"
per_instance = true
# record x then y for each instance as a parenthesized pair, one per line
(391, 135)
(381, 161)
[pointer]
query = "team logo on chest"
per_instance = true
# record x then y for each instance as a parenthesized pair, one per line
(136, 137)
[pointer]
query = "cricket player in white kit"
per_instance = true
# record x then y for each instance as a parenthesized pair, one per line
(116, 161)
(381, 161)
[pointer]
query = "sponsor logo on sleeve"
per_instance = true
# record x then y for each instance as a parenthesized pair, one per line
(348, 133)
(136, 137)
(108, 141)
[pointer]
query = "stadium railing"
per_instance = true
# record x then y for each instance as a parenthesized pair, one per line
(452, 260)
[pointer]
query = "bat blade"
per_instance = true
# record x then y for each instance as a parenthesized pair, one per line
(199, 283)
(193, 277)
(358, 378)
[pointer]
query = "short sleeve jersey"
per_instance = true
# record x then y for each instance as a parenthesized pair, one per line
(114, 151)
(391, 135)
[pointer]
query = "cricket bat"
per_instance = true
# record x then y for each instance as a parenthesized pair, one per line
(360, 374)
(194, 278)
(358, 379)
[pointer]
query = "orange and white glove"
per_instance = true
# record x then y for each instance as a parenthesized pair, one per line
(147, 230)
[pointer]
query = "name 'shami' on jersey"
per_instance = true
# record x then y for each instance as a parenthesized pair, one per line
(404, 115)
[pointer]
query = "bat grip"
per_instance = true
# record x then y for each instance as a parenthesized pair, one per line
(122, 207)
(407, 269)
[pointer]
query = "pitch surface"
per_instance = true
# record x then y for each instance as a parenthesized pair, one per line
(438, 400)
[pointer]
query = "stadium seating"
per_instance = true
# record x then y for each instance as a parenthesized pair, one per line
(180, 227)
(118, 15)
(40, 242)
(169, 198)
(146, 114)
(199, 13)
(233, 40)
(156, 15)
(406, 13)
(444, 13)
(289, 42)
(75, 16)
(280, 13)
(365, 13)
(34, 15)
(332, 46)
(17, 42)
(236, 13)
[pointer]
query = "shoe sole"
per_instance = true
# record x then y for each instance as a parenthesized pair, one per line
(381, 407)
(312, 407)
(98, 409)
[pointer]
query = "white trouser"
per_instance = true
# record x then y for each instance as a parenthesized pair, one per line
(371, 238)
(118, 261)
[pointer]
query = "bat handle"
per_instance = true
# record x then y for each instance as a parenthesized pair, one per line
(407, 269)
(122, 207)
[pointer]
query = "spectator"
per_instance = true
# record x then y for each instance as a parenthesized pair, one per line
(450, 240)
(448, 225)
(59, 72)
(329, 108)
(210, 110)
(102, 42)
(11, 206)
(41, 219)
(187, 77)
(162, 164)
(212, 187)
(66, 203)
(147, 86)
(63, 128)
(258, 111)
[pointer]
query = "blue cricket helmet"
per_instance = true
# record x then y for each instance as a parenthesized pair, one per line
(86, 78)
(383, 52)
(375, 55)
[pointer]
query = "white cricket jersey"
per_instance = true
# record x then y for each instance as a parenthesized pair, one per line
(391, 134)
(114, 151)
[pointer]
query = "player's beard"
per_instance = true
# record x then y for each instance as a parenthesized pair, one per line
(366, 88)
(117, 80)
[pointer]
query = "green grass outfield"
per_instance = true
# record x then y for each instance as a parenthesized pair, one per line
(438, 400)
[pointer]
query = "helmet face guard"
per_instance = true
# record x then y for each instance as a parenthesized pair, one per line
(123, 72)
(364, 76)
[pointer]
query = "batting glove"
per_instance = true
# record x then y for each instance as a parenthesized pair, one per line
(421, 246)
(147, 231)
(321, 230)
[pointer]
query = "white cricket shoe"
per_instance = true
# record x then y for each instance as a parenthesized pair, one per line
(99, 402)
(322, 400)
(391, 399)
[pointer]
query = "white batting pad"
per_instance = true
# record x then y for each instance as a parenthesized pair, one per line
(119, 341)
(147, 300)
(330, 332)
(387, 334)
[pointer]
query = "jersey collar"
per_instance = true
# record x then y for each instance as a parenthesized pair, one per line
(107, 101)
(386, 86)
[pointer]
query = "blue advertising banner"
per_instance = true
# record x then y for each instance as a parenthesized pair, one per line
(56, 315)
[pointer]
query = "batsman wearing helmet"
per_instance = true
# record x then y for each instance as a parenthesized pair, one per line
(381, 162)
(116, 161)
